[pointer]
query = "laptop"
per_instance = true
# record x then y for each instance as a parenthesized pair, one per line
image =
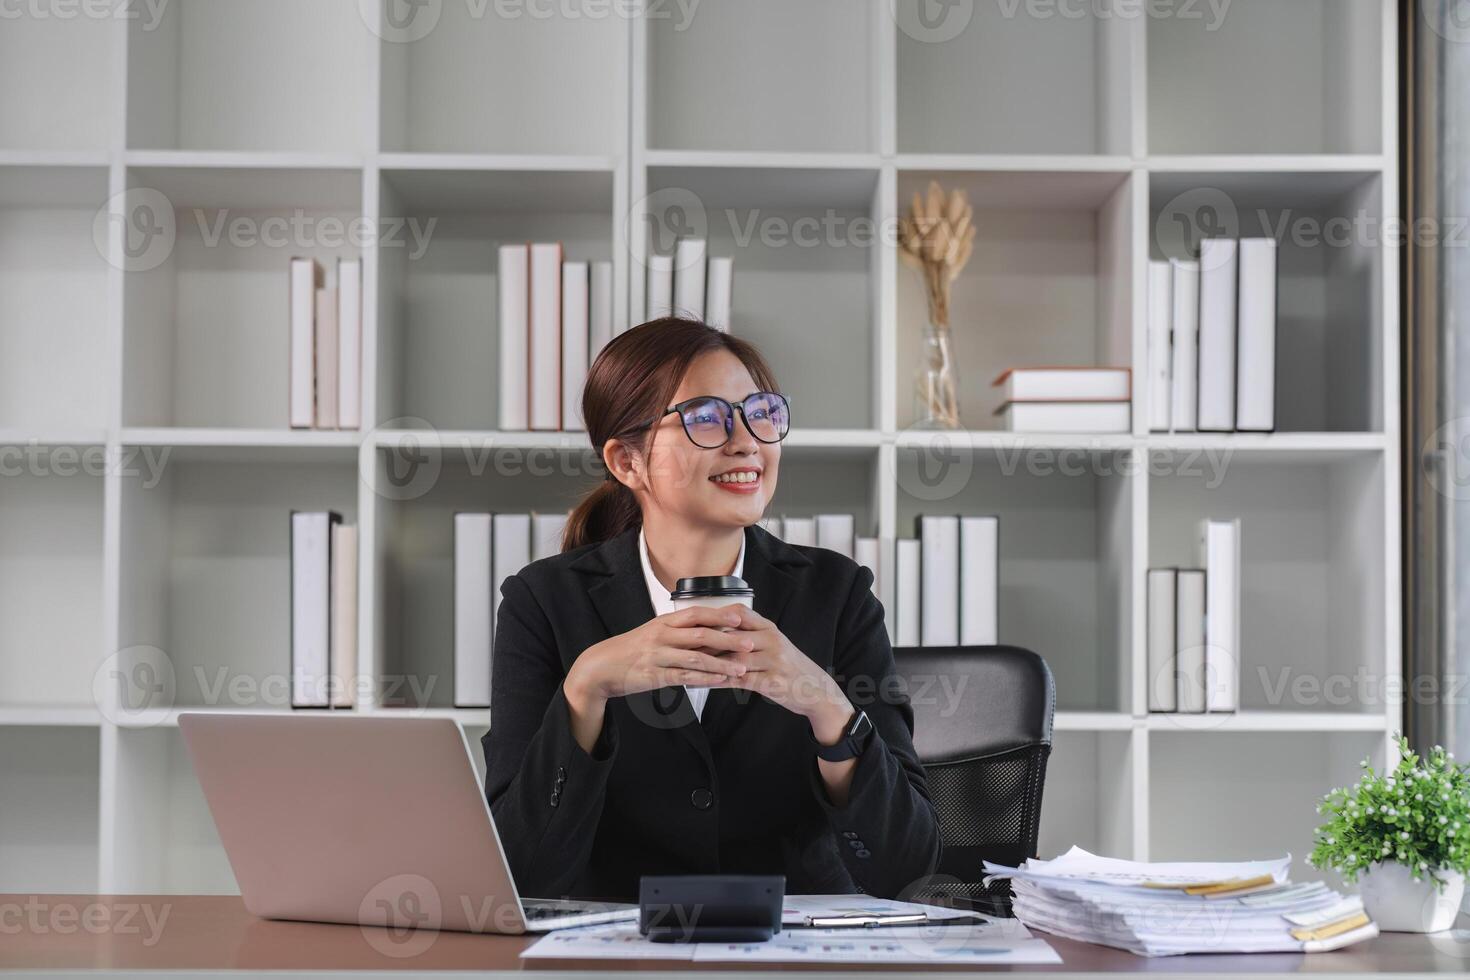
(364, 820)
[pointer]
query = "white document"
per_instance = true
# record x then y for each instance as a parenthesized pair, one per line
(939, 579)
(618, 941)
(1217, 335)
(306, 276)
(1255, 401)
(1220, 554)
(905, 613)
(795, 909)
(311, 603)
(513, 276)
(660, 301)
(1185, 410)
(689, 278)
(545, 320)
(979, 581)
(1078, 862)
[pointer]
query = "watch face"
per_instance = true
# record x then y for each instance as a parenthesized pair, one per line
(861, 727)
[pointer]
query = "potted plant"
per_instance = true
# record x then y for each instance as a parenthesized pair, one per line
(1404, 837)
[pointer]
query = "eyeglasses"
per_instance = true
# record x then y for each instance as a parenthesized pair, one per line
(709, 420)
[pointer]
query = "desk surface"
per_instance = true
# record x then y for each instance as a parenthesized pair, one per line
(149, 933)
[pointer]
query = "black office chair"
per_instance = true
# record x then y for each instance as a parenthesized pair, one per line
(984, 747)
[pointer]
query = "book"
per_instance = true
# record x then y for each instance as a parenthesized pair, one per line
(600, 314)
(513, 279)
(772, 524)
(1065, 416)
(835, 532)
(344, 615)
(866, 553)
(1220, 554)
(474, 605)
(546, 532)
(1255, 378)
(1063, 384)
(511, 538)
(311, 601)
(306, 279)
(906, 592)
(979, 585)
(660, 286)
(799, 530)
(887, 574)
(349, 343)
(689, 278)
(719, 291)
(1160, 344)
(545, 339)
(326, 358)
(1161, 637)
(1217, 286)
(939, 613)
(1189, 639)
(1184, 408)
(574, 341)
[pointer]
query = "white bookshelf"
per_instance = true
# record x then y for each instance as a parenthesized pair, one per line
(590, 129)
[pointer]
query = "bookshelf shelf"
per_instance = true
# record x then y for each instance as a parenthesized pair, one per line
(1075, 138)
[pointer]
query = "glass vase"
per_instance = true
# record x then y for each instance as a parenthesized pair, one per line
(936, 405)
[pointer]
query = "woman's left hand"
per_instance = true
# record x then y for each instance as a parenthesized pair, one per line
(779, 672)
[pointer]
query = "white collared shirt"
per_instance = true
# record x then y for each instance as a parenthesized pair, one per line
(662, 604)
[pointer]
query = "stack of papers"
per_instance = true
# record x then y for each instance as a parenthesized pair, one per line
(1163, 909)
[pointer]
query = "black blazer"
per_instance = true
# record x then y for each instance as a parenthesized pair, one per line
(665, 793)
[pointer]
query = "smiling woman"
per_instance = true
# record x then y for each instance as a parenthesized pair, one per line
(634, 739)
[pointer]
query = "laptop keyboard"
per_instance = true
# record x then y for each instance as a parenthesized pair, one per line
(537, 911)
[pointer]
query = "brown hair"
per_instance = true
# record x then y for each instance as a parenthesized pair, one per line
(632, 381)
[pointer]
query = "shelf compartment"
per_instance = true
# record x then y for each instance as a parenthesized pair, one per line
(65, 66)
(806, 249)
(553, 84)
(53, 298)
(1066, 551)
(206, 326)
(958, 89)
(1262, 76)
(1049, 283)
(1088, 797)
(267, 75)
(1330, 306)
(206, 550)
(438, 312)
(49, 810)
(1313, 571)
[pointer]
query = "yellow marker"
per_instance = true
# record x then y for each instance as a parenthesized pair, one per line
(1354, 921)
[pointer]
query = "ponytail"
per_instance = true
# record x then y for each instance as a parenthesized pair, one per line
(607, 511)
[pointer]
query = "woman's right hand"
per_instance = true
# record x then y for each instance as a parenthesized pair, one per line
(678, 648)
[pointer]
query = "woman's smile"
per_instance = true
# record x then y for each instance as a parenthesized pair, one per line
(741, 479)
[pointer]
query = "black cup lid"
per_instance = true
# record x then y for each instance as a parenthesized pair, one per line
(705, 586)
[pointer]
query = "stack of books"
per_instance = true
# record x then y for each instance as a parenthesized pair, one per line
(1065, 399)
(323, 610)
(1170, 908)
(555, 316)
(326, 346)
(1194, 627)
(1212, 339)
(690, 283)
(488, 549)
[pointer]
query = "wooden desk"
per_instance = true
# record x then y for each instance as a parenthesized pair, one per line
(152, 933)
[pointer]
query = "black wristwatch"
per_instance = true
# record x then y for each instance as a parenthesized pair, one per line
(859, 734)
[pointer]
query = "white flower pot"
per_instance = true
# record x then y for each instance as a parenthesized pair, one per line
(1398, 903)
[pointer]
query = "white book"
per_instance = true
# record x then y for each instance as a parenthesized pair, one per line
(979, 581)
(689, 278)
(546, 532)
(939, 614)
(907, 589)
(1189, 639)
(772, 524)
(574, 341)
(1185, 403)
(1217, 335)
(326, 358)
(1160, 344)
(1255, 401)
(311, 600)
(344, 615)
(349, 343)
(1220, 554)
(719, 292)
(474, 604)
(306, 279)
(660, 301)
(513, 277)
(1065, 385)
(1162, 682)
(799, 530)
(835, 532)
(887, 584)
(512, 540)
(546, 336)
(600, 328)
(1066, 416)
(866, 553)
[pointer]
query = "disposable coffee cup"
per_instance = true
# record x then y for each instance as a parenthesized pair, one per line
(713, 591)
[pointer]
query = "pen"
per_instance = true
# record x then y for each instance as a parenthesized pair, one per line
(866, 919)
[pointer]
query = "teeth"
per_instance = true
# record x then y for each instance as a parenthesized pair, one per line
(742, 477)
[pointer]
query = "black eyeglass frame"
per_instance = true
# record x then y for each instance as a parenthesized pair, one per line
(735, 407)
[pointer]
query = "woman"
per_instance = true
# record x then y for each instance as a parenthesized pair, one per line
(628, 739)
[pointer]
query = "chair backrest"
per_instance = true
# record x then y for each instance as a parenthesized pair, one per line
(982, 729)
